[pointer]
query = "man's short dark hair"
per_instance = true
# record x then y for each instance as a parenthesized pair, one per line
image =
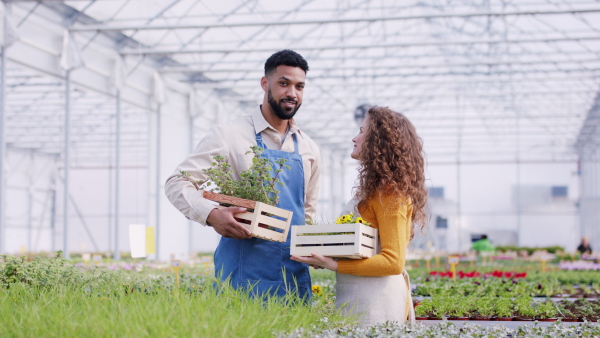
(286, 57)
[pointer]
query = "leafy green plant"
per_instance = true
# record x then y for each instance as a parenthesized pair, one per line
(484, 306)
(441, 306)
(424, 308)
(524, 307)
(255, 184)
(503, 307)
(461, 306)
(546, 309)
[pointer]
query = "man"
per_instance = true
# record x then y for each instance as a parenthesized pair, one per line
(249, 261)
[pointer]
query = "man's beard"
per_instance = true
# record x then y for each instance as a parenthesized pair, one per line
(281, 112)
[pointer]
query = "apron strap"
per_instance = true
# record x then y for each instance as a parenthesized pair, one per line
(295, 143)
(410, 311)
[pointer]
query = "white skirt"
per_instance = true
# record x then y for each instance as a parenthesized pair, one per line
(375, 299)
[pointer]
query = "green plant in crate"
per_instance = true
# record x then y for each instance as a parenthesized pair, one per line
(503, 307)
(546, 309)
(255, 184)
(524, 307)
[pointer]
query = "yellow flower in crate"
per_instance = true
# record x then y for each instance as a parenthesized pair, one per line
(317, 290)
(345, 219)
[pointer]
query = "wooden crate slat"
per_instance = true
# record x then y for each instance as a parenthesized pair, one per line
(371, 242)
(274, 222)
(269, 234)
(325, 239)
(325, 228)
(330, 251)
(276, 211)
(213, 196)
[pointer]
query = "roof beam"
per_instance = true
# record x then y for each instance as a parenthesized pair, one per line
(361, 46)
(331, 20)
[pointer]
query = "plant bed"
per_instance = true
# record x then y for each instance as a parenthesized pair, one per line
(263, 220)
(350, 240)
(502, 319)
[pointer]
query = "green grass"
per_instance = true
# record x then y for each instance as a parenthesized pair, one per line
(64, 311)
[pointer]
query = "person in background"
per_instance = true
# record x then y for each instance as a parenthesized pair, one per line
(483, 245)
(250, 262)
(391, 195)
(584, 247)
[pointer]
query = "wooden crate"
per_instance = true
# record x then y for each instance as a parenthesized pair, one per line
(263, 220)
(354, 240)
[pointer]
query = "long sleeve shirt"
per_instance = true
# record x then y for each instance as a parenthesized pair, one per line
(233, 141)
(394, 234)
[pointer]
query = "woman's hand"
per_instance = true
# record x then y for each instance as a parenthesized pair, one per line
(317, 261)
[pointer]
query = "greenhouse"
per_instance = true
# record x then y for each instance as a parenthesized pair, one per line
(112, 112)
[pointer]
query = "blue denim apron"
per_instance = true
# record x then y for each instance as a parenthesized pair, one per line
(265, 266)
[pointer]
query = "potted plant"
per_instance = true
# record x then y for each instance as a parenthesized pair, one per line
(423, 309)
(546, 311)
(524, 309)
(461, 306)
(503, 310)
(440, 308)
(256, 190)
(565, 314)
(483, 308)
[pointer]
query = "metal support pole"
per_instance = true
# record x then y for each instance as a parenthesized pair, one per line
(30, 205)
(66, 164)
(117, 254)
(158, 183)
(2, 149)
(191, 148)
(53, 221)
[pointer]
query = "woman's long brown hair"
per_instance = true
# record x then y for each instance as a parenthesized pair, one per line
(392, 162)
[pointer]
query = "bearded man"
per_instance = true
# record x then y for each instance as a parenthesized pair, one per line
(245, 261)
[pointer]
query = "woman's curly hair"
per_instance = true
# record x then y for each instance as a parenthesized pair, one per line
(392, 162)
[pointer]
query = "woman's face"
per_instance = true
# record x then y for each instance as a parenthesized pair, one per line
(358, 140)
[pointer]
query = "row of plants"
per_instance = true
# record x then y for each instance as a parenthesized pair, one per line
(505, 308)
(53, 297)
(562, 277)
(530, 250)
(476, 274)
(451, 329)
(504, 288)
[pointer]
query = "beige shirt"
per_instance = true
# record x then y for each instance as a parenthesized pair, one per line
(233, 140)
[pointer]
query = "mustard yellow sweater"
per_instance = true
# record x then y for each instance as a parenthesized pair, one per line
(394, 233)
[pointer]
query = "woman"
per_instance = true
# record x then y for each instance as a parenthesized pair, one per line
(391, 195)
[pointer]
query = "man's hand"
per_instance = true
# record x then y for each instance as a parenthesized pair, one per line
(317, 261)
(225, 225)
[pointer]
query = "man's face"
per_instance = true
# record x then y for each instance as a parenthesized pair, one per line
(284, 90)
